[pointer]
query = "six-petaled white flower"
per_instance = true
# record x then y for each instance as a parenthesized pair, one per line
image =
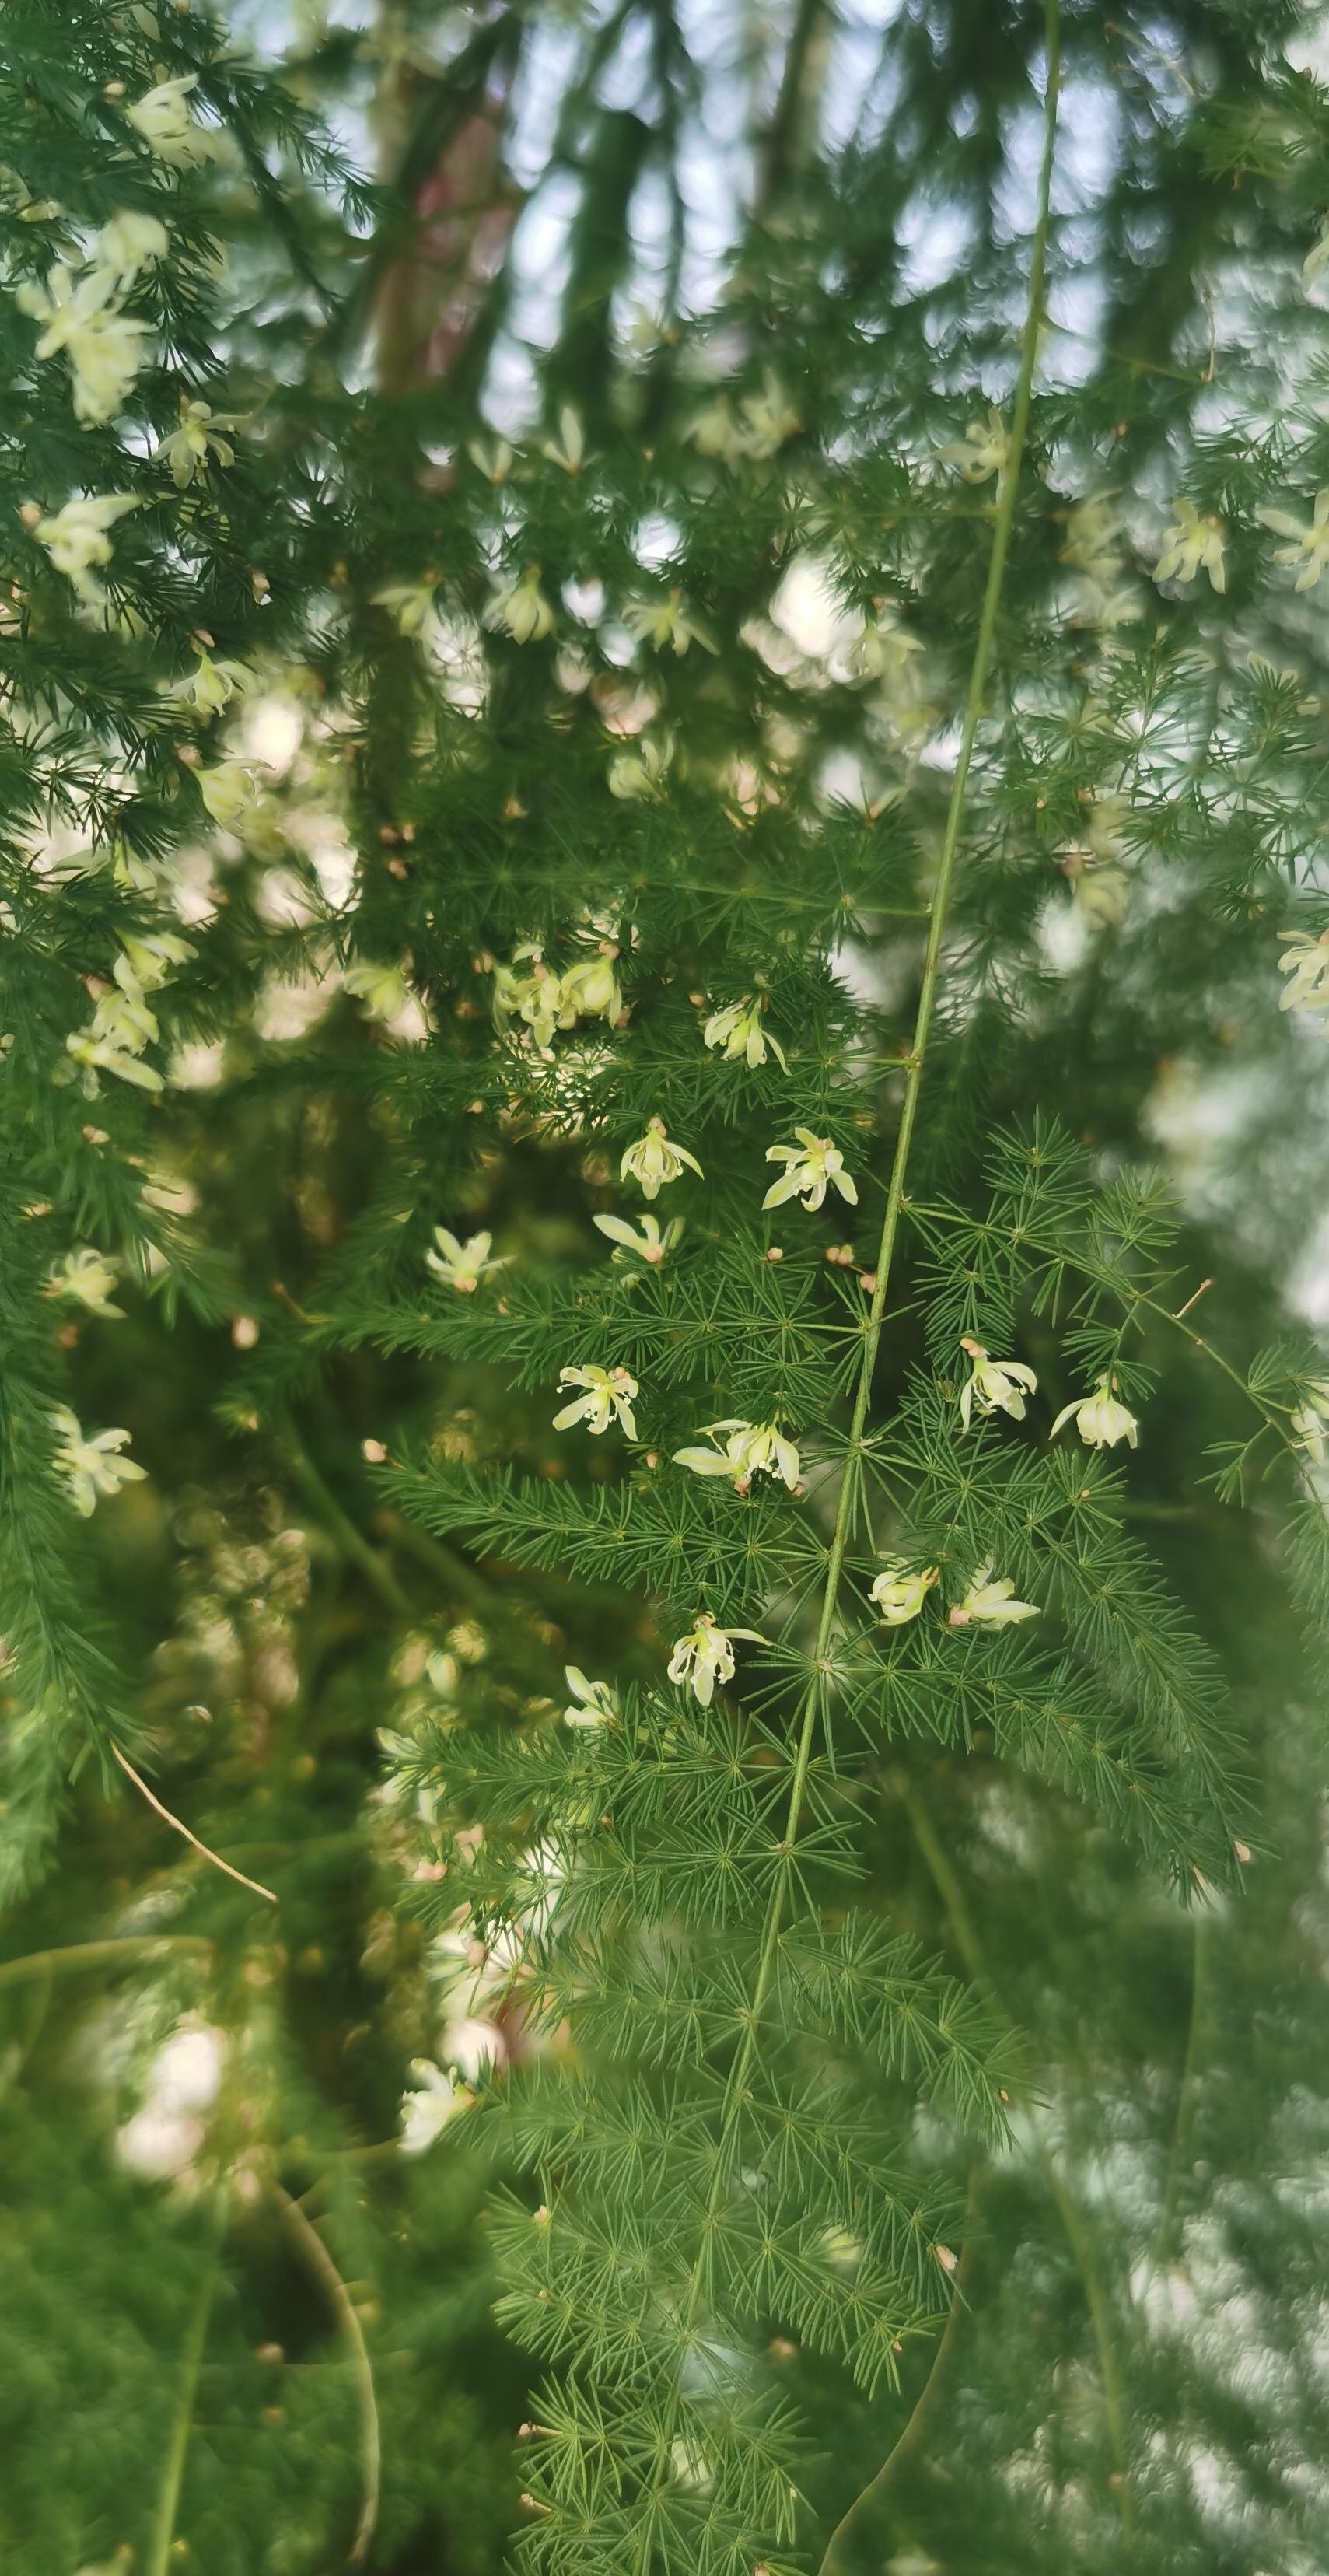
(662, 623)
(533, 994)
(1192, 545)
(1309, 546)
(656, 1159)
(103, 347)
(1307, 962)
(749, 1449)
(982, 451)
(593, 1703)
(88, 1276)
(77, 538)
(740, 1029)
(590, 989)
(90, 1462)
(195, 442)
(208, 689)
(163, 120)
(647, 1241)
(382, 989)
(809, 1166)
(228, 792)
(428, 2103)
(1100, 1420)
(463, 1265)
(995, 1386)
(900, 1595)
(990, 1604)
(521, 610)
(129, 243)
(607, 1398)
(706, 1656)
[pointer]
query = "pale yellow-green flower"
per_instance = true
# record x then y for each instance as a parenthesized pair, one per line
(665, 623)
(647, 1241)
(899, 1594)
(227, 791)
(535, 996)
(129, 243)
(569, 448)
(705, 1656)
(521, 610)
(196, 441)
(87, 1276)
(163, 120)
(590, 989)
(149, 959)
(1100, 1420)
(810, 1165)
(463, 1265)
(77, 538)
(91, 1463)
(982, 451)
(383, 989)
(1307, 963)
(593, 1704)
(989, 1604)
(639, 770)
(208, 689)
(656, 1159)
(749, 1449)
(740, 1029)
(1309, 546)
(410, 605)
(607, 1397)
(1310, 1419)
(1192, 545)
(103, 348)
(995, 1386)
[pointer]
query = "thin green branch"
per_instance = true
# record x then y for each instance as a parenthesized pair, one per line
(371, 2468)
(161, 2540)
(85, 1957)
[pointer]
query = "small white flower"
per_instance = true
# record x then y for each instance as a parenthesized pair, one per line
(607, 1398)
(1307, 962)
(428, 2104)
(591, 990)
(78, 537)
(593, 1703)
(1099, 1419)
(102, 1055)
(208, 689)
(1091, 539)
(884, 648)
(994, 1385)
(463, 1265)
(535, 996)
(410, 605)
(646, 1242)
(768, 418)
(900, 1595)
(741, 1031)
(382, 989)
(163, 120)
(656, 1159)
(982, 451)
(493, 461)
(521, 610)
(129, 243)
(662, 623)
(195, 442)
(750, 1449)
(1309, 547)
(87, 1276)
(1192, 545)
(149, 959)
(990, 1603)
(1310, 1419)
(706, 1656)
(639, 771)
(713, 431)
(90, 1462)
(228, 792)
(103, 347)
(809, 1166)
(569, 449)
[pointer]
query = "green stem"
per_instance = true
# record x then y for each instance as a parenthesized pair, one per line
(735, 2094)
(90, 1955)
(1167, 2233)
(320, 2262)
(191, 2362)
(319, 1495)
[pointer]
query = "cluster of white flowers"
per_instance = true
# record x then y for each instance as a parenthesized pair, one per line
(123, 1022)
(196, 441)
(162, 120)
(900, 1595)
(740, 1030)
(91, 1463)
(78, 537)
(533, 992)
(463, 1265)
(1103, 597)
(81, 313)
(743, 1450)
(1100, 1420)
(1000, 1386)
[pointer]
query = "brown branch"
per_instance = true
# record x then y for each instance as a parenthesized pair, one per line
(174, 1822)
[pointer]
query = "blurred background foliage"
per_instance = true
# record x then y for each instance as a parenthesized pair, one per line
(616, 210)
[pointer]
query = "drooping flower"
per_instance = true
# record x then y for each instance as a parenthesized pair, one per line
(990, 1604)
(129, 243)
(208, 689)
(1192, 545)
(638, 771)
(706, 1656)
(1099, 1419)
(196, 441)
(607, 1398)
(383, 989)
(982, 451)
(885, 646)
(1309, 546)
(767, 419)
(662, 623)
(410, 605)
(228, 792)
(521, 610)
(593, 1703)
(463, 1265)
(1307, 962)
(1310, 1419)
(809, 1166)
(656, 1159)
(104, 348)
(995, 1386)
(647, 1241)
(98, 1053)
(494, 460)
(569, 448)
(535, 996)
(163, 120)
(590, 989)
(899, 1594)
(77, 538)
(749, 1449)
(149, 958)
(432, 2099)
(90, 1462)
(741, 1031)
(88, 1276)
